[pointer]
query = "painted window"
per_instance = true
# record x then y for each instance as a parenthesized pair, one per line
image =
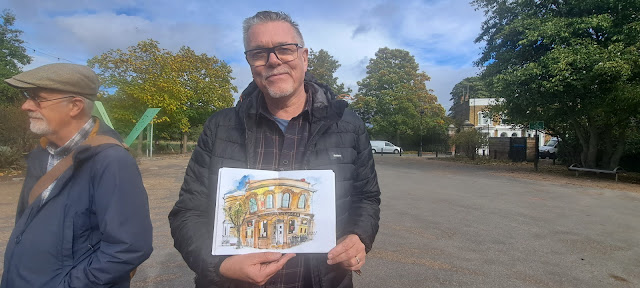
(303, 201)
(253, 205)
(263, 229)
(269, 201)
(292, 226)
(285, 200)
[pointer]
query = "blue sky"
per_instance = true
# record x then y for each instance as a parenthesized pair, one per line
(439, 34)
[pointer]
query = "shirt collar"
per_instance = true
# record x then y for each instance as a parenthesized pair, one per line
(74, 142)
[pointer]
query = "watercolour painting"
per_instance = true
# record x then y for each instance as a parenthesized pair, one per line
(274, 211)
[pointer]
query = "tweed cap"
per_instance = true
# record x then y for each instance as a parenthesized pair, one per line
(66, 77)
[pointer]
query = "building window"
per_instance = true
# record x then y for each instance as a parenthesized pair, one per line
(253, 206)
(482, 119)
(303, 201)
(285, 200)
(269, 201)
(292, 226)
(514, 134)
(503, 134)
(263, 229)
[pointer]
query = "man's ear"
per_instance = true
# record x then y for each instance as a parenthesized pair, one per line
(305, 58)
(77, 106)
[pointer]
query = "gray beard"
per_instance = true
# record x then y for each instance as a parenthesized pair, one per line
(40, 128)
(276, 94)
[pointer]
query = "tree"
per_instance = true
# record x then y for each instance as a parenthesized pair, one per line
(322, 65)
(572, 64)
(469, 141)
(237, 212)
(188, 87)
(12, 56)
(393, 95)
(470, 87)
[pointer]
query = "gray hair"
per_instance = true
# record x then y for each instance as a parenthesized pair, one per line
(266, 17)
(88, 106)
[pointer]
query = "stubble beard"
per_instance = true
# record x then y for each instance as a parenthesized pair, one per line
(280, 91)
(38, 125)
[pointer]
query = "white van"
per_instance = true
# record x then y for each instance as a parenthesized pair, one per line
(384, 147)
(550, 149)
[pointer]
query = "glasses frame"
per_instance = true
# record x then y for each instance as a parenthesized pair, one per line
(272, 50)
(28, 96)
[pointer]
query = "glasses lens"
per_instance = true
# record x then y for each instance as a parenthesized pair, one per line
(257, 57)
(287, 53)
(25, 93)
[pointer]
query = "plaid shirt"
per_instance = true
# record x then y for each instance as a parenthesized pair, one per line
(57, 154)
(276, 150)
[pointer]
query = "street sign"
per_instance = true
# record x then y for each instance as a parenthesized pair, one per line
(537, 125)
(144, 120)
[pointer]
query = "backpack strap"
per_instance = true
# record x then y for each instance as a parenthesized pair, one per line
(48, 178)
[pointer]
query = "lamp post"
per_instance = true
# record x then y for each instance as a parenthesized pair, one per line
(420, 152)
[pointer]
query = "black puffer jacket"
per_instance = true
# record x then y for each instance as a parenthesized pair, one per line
(338, 141)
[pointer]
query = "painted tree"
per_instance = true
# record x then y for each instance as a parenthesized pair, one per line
(237, 213)
(393, 97)
(323, 66)
(13, 55)
(572, 64)
(188, 87)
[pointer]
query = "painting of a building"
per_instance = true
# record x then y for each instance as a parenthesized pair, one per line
(278, 214)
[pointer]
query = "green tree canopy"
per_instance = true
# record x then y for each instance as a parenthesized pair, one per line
(12, 56)
(393, 98)
(573, 64)
(188, 87)
(470, 87)
(322, 65)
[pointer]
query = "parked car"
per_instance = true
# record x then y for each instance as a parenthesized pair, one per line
(384, 147)
(550, 149)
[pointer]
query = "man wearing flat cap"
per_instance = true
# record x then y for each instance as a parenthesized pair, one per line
(83, 214)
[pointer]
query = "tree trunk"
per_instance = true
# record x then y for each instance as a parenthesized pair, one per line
(608, 150)
(583, 142)
(592, 155)
(184, 142)
(617, 154)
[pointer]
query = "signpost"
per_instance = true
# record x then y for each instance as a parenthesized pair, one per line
(537, 125)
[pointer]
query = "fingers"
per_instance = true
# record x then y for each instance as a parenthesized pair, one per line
(255, 268)
(265, 271)
(349, 253)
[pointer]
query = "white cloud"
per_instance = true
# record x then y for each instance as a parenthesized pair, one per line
(439, 34)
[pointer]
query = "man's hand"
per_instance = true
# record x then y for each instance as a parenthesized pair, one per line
(349, 253)
(255, 268)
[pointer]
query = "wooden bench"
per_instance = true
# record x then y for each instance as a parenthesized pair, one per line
(577, 168)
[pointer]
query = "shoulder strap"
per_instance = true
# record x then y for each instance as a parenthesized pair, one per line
(47, 179)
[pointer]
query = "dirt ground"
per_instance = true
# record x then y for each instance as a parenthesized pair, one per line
(163, 176)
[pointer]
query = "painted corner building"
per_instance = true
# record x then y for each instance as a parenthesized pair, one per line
(277, 215)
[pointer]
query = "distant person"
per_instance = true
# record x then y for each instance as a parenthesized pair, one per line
(88, 226)
(285, 121)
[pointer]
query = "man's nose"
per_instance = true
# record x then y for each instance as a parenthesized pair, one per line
(273, 59)
(29, 105)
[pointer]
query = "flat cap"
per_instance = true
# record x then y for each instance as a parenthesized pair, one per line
(66, 77)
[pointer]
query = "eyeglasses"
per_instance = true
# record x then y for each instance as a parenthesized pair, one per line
(30, 96)
(285, 53)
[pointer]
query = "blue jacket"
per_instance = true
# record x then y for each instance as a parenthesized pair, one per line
(93, 229)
